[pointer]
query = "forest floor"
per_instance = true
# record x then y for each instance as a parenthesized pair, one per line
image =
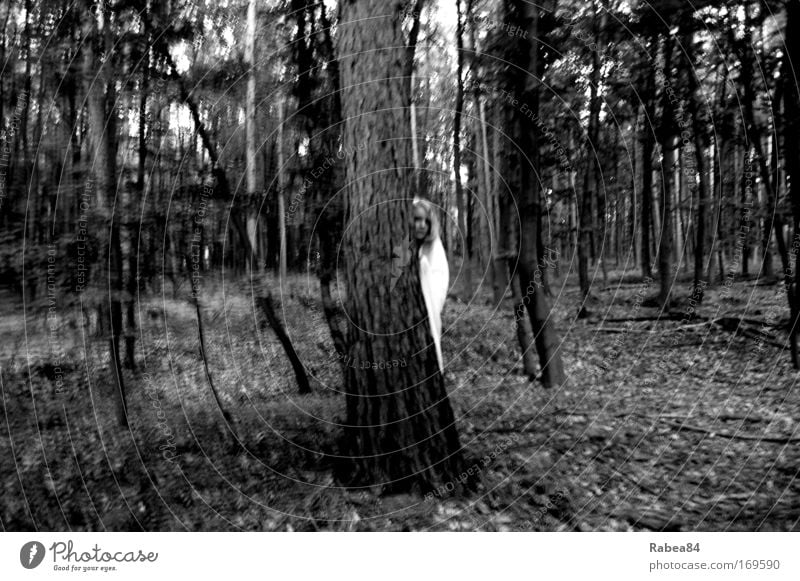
(691, 426)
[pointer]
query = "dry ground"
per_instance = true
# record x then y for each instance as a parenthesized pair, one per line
(692, 425)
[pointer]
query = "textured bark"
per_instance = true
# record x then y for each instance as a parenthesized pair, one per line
(400, 428)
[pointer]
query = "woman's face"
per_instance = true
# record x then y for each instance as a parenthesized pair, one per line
(421, 226)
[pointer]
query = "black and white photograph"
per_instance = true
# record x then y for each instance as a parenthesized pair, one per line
(504, 266)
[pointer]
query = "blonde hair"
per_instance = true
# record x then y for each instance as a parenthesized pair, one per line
(431, 215)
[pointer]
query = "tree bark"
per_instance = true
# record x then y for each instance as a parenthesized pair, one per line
(135, 225)
(791, 99)
(400, 429)
(320, 119)
(524, 54)
(488, 234)
(266, 304)
(773, 219)
(698, 180)
(648, 141)
(99, 87)
(411, 50)
(668, 149)
(524, 331)
(250, 134)
(461, 202)
(586, 219)
(281, 194)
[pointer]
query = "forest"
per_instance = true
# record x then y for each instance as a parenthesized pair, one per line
(215, 310)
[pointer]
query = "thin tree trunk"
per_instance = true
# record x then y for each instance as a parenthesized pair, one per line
(648, 145)
(665, 243)
(524, 331)
(527, 194)
(195, 297)
(489, 234)
(586, 218)
(668, 148)
(332, 224)
(99, 86)
(250, 133)
(268, 308)
(499, 224)
(408, 74)
(281, 195)
(701, 185)
(133, 229)
(461, 201)
(791, 99)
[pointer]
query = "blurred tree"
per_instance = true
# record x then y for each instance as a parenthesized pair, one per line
(523, 83)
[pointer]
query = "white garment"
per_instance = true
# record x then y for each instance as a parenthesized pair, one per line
(434, 274)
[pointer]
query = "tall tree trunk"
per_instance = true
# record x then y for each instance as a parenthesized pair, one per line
(701, 184)
(22, 132)
(135, 224)
(791, 99)
(99, 87)
(753, 136)
(499, 224)
(648, 141)
(250, 134)
(507, 258)
(524, 54)
(331, 220)
(668, 149)
(319, 119)
(586, 219)
(408, 74)
(462, 203)
(3, 43)
(281, 193)
(400, 428)
(487, 214)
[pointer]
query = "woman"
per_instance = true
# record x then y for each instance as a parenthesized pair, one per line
(434, 272)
